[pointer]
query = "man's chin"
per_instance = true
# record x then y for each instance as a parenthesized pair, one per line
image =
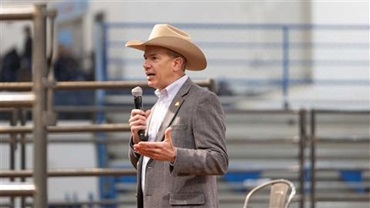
(151, 84)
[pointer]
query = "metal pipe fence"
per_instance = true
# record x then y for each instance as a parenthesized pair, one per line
(38, 14)
(92, 85)
(297, 140)
(356, 171)
(301, 141)
(87, 172)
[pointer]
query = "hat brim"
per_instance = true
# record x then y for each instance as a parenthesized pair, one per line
(196, 60)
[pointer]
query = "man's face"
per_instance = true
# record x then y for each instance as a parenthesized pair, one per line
(158, 67)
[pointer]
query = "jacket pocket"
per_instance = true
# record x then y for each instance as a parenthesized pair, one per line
(178, 127)
(187, 199)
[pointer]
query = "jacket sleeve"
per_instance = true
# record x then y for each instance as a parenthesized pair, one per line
(132, 155)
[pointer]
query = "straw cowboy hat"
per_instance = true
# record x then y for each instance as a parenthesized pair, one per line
(170, 37)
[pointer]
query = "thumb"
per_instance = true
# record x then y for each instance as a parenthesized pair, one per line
(167, 135)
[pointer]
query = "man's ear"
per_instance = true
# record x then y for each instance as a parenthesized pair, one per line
(178, 62)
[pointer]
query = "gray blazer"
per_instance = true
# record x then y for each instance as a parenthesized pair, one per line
(198, 133)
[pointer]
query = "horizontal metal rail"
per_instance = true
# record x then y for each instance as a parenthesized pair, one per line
(70, 173)
(69, 129)
(95, 109)
(18, 13)
(246, 168)
(68, 141)
(91, 85)
(22, 13)
(232, 199)
(335, 111)
(350, 139)
(263, 111)
(17, 189)
(104, 202)
(343, 197)
(16, 100)
(234, 141)
(364, 168)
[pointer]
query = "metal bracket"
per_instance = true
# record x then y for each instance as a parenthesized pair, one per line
(49, 118)
(48, 83)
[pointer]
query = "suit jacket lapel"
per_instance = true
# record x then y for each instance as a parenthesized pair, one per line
(174, 108)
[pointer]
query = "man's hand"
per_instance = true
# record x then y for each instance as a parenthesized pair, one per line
(162, 151)
(137, 122)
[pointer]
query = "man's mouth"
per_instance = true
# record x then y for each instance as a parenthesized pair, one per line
(150, 75)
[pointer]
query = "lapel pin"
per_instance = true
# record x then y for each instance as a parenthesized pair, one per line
(177, 104)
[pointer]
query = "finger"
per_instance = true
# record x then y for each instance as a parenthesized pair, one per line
(146, 149)
(147, 113)
(147, 145)
(138, 119)
(135, 112)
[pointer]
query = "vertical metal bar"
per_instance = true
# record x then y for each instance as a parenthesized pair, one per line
(23, 118)
(302, 145)
(39, 70)
(12, 146)
(285, 73)
(100, 75)
(108, 181)
(50, 91)
(50, 60)
(313, 158)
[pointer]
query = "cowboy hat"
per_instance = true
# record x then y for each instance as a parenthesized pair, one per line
(172, 38)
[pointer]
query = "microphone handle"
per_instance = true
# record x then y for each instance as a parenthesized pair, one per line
(139, 105)
(142, 136)
(138, 102)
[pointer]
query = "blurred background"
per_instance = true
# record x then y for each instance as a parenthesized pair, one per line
(293, 77)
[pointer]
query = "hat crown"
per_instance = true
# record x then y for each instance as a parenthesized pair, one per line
(172, 38)
(165, 30)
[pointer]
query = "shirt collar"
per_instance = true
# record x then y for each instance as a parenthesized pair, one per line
(172, 89)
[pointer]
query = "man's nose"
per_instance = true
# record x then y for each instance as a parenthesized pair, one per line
(145, 65)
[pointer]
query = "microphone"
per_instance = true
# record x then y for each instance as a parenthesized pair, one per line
(137, 92)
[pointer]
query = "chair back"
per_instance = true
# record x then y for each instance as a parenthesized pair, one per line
(280, 197)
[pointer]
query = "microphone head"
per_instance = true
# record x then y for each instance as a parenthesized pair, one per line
(137, 91)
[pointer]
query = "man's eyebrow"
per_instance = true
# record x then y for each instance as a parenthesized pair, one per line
(150, 54)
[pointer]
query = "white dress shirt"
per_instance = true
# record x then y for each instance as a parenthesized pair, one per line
(159, 110)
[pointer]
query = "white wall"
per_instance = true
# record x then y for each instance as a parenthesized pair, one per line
(253, 12)
(341, 12)
(334, 12)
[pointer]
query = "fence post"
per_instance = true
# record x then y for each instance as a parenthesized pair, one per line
(302, 147)
(313, 158)
(285, 72)
(106, 184)
(39, 130)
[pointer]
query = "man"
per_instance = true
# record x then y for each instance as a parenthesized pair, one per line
(186, 147)
(25, 72)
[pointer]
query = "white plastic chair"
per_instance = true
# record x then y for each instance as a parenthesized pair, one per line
(279, 196)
